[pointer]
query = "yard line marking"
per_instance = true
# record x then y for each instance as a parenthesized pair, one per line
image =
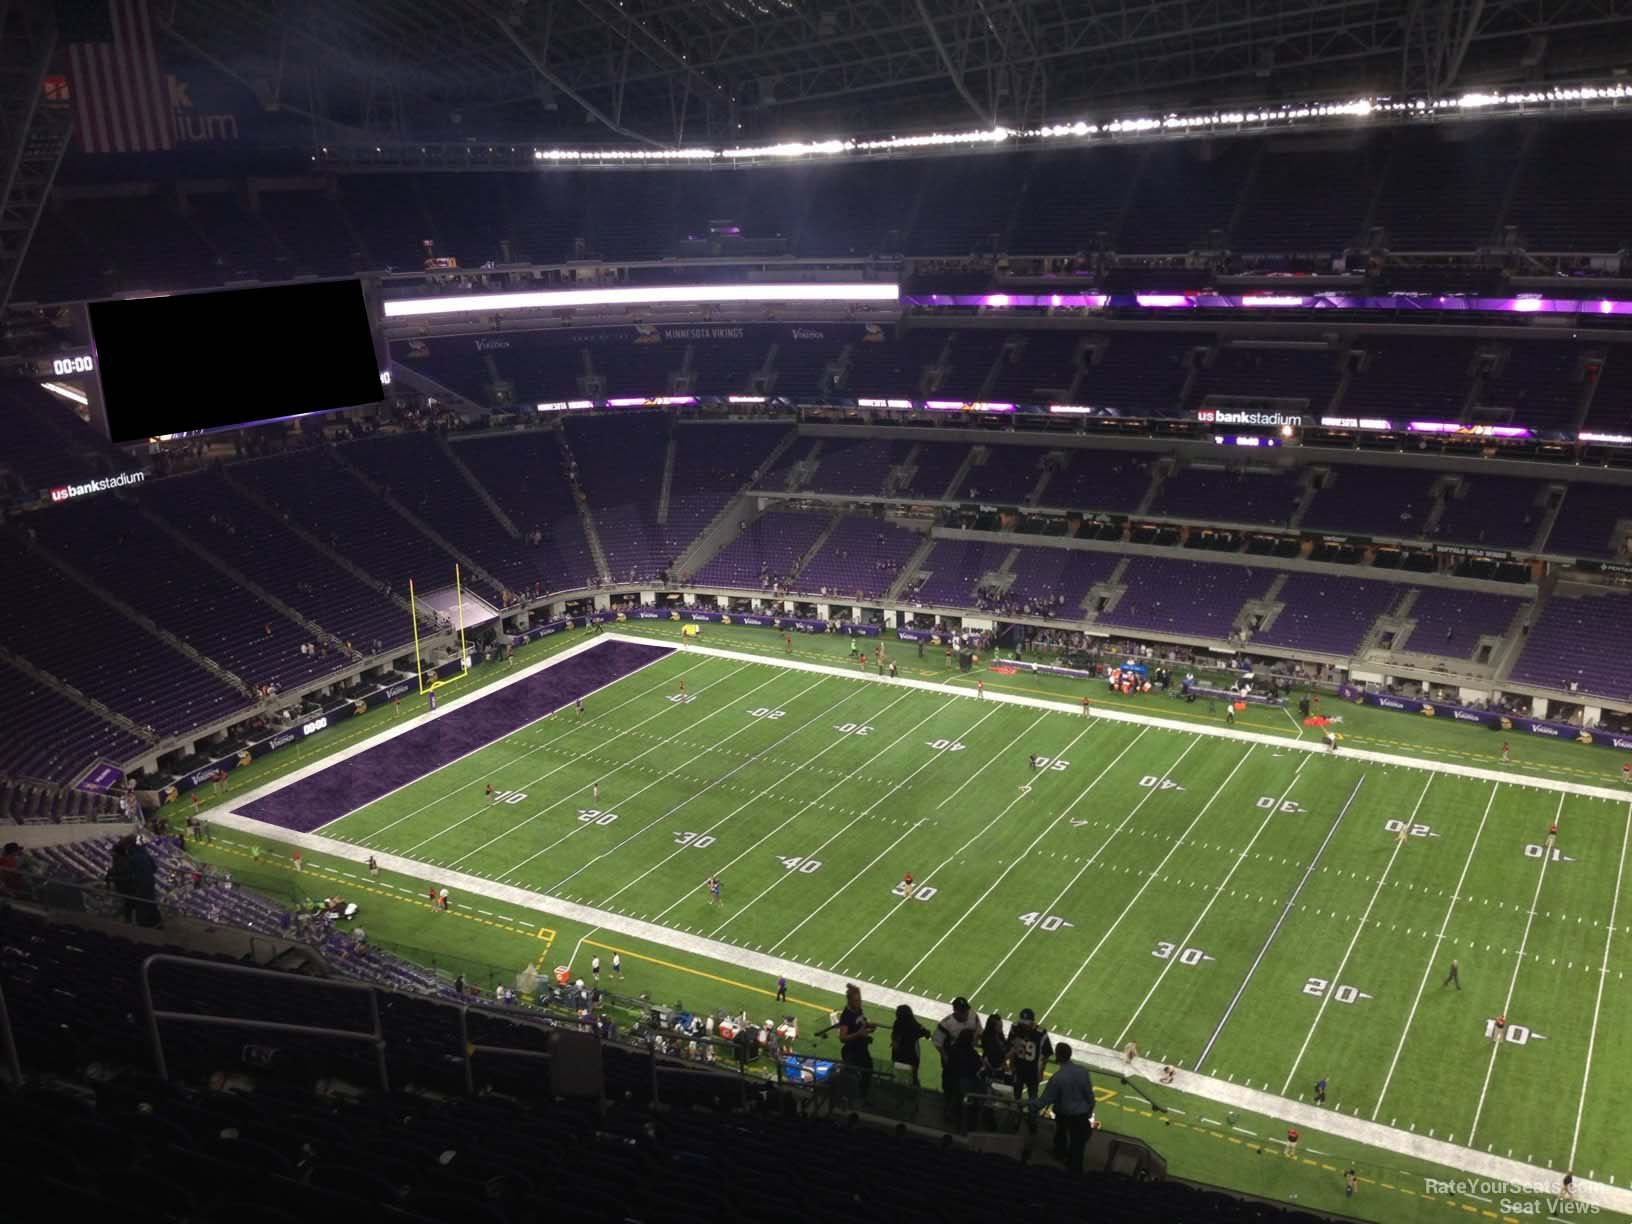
(997, 756)
(1275, 930)
(367, 837)
(1218, 891)
(617, 769)
(927, 762)
(1296, 725)
(816, 802)
(1337, 977)
(1603, 976)
(655, 821)
(1513, 982)
(749, 802)
(1150, 876)
(491, 690)
(949, 858)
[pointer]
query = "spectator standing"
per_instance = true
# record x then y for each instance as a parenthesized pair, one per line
(1070, 1092)
(855, 1036)
(1029, 1052)
(957, 1037)
(994, 1047)
(905, 1034)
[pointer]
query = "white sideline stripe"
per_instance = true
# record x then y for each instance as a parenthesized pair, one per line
(1513, 982)
(1218, 891)
(981, 833)
(746, 803)
(1336, 978)
(1445, 925)
(1150, 877)
(1237, 1096)
(813, 802)
(1280, 921)
(548, 773)
(1478, 773)
(613, 772)
(1069, 808)
(1603, 976)
(719, 781)
(843, 829)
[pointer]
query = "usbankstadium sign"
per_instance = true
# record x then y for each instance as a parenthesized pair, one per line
(1226, 416)
(68, 492)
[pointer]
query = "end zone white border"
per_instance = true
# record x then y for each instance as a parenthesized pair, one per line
(1297, 1113)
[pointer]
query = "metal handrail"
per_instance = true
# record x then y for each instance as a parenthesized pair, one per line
(375, 1038)
(8, 1046)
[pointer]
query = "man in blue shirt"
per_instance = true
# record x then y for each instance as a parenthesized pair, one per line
(1071, 1092)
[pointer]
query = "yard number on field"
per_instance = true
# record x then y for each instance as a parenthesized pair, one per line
(1055, 763)
(853, 729)
(1515, 1034)
(1415, 830)
(1045, 922)
(1186, 956)
(1343, 994)
(509, 796)
(1150, 781)
(1273, 803)
(596, 816)
(682, 698)
(1541, 852)
(945, 745)
(922, 893)
(694, 840)
(766, 712)
(802, 865)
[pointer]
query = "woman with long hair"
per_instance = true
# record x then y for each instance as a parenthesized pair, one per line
(905, 1034)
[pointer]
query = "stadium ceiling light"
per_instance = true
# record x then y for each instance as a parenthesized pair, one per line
(649, 295)
(67, 393)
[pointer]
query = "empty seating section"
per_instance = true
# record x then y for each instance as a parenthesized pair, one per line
(892, 367)
(1224, 495)
(314, 491)
(62, 629)
(1611, 407)
(524, 475)
(1586, 524)
(47, 736)
(1055, 581)
(1578, 643)
(1327, 613)
(53, 802)
(1444, 188)
(1114, 480)
(1035, 367)
(1306, 202)
(146, 568)
(243, 248)
(638, 369)
(48, 445)
(861, 558)
(1574, 191)
(419, 475)
(1366, 500)
(957, 570)
(1269, 373)
(1068, 201)
(859, 467)
(1494, 511)
(620, 466)
(1195, 598)
(1182, 202)
(1007, 476)
(964, 208)
(933, 467)
(1451, 622)
(457, 365)
(777, 475)
(312, 228)
(1540, 384)
(268, 553)
(766, 552)
(1136, 374)
(712, 463)
(1408, 378)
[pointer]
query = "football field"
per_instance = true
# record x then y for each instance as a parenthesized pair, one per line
(1252, 911)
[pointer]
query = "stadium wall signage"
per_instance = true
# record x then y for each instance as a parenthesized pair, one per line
(1487, 718)
(68, 492)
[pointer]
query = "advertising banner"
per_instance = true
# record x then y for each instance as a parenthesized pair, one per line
(1488, 718)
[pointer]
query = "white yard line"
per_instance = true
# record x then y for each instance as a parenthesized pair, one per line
(979, 835)
(1296, 725)
(719, 781)
(1359, 930)
(617, 769)
(571, 760)
(1427, 969)
(1236, 1096)
(1218, 891)
(1150, 877)
(1053, 824)
(843, 829)
(1280, 921)
(1603, 976)
(752, 799)
(1513, 982)
(732, 862)
(996, 757)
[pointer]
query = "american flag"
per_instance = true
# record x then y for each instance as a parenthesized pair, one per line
(119, 93)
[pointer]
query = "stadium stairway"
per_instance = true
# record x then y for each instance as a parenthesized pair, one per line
(473, 572)
(83, 700)
(83, 579)
(668, 481)
(911, 570)
(191, 545)
(815, 545)
(478, 488)
(592, 534)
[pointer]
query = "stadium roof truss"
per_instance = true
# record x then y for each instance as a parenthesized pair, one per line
(665, 73)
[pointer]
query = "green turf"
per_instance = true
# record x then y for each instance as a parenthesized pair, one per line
(1137, 893)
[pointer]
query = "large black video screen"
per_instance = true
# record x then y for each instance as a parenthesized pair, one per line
(196, 361)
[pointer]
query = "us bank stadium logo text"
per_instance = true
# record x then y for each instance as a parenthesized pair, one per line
(68, 492)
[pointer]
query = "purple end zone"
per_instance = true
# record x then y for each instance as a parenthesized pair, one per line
(331, 793)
